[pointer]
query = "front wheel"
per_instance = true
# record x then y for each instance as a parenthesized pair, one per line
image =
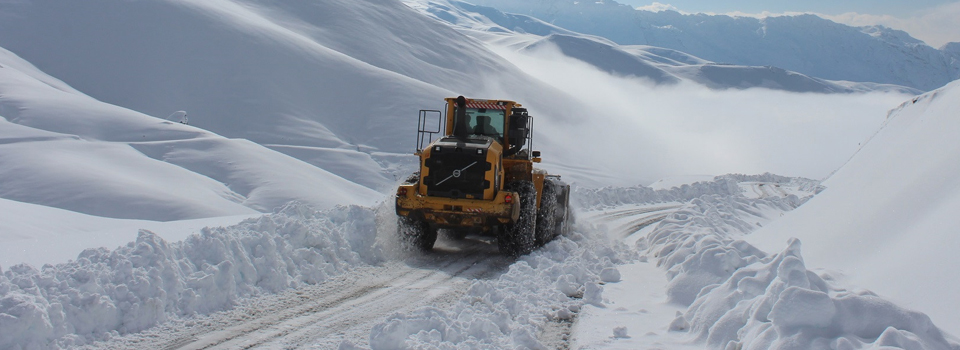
(519, 237)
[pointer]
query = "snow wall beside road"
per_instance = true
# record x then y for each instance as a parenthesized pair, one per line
(104, 293)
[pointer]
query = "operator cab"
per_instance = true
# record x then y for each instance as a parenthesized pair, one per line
(481, 119)
(504, 122)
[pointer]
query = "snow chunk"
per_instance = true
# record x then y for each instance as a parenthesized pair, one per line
(610, 275)
(620, 332)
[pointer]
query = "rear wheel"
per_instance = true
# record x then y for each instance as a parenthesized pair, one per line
(555, 217)
(547, 219)
(519, 238)
(565, 217)
(416, 233)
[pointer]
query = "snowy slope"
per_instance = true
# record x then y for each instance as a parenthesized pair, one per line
(330, 74)
(64, 149)
(43, 235)
(807, 44)
(888, 219)
(335, 83)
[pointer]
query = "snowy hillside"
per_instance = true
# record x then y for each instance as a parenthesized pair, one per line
(326, 77)
(283, 76)
(72, 168)
(63, 149)
(888, 219)
(806, 44)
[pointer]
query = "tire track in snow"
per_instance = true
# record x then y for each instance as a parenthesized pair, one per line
(635, 211)
(768, 189)
(632, 220)
(636, 218)
(639, 224)
(425, 289)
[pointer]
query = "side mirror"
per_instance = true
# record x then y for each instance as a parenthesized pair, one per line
(536, 154)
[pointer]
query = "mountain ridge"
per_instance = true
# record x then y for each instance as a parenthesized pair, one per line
(807, 44)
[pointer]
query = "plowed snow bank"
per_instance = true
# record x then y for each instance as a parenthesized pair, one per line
(105, 293)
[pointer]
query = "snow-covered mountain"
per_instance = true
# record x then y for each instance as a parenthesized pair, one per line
(659, 65)
(806, 44)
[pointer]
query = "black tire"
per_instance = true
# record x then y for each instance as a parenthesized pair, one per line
(416, 233)
(519, 238)
(547, 219)
(555, 217)
(565, 219)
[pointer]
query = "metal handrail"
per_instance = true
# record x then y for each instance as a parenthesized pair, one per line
(424, 134)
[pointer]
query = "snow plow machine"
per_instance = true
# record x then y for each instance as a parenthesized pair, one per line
(478, 178)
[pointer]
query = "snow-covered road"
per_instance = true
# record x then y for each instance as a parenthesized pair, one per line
(342, 309)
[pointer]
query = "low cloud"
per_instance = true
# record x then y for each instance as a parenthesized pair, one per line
(634, 131)
(658, 7)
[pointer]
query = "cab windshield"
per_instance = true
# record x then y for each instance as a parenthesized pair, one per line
(487, 122)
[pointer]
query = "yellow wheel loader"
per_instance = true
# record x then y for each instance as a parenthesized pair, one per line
(478, 177)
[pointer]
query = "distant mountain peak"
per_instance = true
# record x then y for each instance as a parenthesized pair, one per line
(891, 36)
(953, 47)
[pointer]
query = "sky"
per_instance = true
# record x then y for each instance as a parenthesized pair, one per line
(933, 21)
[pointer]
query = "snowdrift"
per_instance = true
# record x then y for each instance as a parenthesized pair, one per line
(887, 220)
(108, 292)
(739, 297)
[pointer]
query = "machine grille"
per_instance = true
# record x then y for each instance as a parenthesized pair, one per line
(457, 171)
